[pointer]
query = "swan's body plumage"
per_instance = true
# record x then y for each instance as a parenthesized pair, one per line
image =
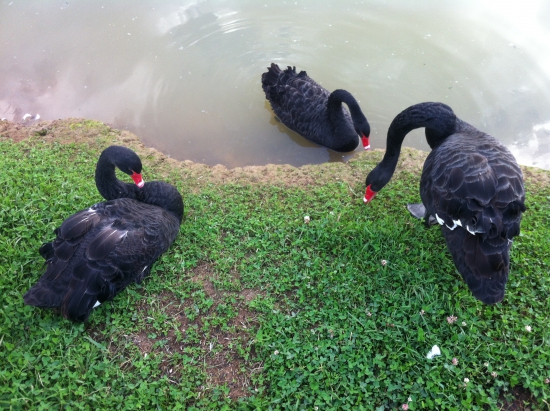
(309, 109)
(99, 251)
(471, 186)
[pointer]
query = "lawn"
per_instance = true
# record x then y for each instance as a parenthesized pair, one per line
(253, 308)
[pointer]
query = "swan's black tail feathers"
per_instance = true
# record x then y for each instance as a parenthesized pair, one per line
(271, 77)
(484, 265)
(275, 77)
(46, 251)
(86, 288)
(45, 294)
(48, 292)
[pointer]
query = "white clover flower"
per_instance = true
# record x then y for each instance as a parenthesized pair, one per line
(451, 319)
(464, 323)
(276, 352)
(307, 219)
(466, 380)
(528, 328)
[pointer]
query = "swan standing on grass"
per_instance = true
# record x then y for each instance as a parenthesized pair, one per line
(471, 186)
(310, 110)
(99, 251)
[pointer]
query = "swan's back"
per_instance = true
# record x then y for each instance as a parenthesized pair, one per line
(473, 185)
(99, 251)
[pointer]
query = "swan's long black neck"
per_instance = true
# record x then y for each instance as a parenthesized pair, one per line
(438, 119)
(335, 113)
(108, 185)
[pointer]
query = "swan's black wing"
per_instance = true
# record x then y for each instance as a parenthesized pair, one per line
(98, 252)
(298, 101)
(473, 186)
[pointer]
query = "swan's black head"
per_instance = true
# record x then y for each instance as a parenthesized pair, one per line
(126, 161)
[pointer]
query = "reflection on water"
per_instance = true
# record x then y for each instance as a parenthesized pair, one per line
(185, 75)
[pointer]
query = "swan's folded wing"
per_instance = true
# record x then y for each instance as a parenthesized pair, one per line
(111, 258)
(477, 198)
(48, 292)
(481, 191)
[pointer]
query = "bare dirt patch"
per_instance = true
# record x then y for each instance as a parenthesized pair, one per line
(522, 400)
(220, 348)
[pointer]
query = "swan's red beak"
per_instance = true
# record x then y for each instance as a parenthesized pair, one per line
(369, 195)
(366, 142)
(138, 179)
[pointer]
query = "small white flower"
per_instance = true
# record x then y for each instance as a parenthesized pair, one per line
(464, 323)
(528, 328)
(307, 219)
(409, 399)
(422, 312)
(494, 374)
(369, 314)
(384, 262)
(466, 380)
(486, 364)
(455, 361)
(276, 352)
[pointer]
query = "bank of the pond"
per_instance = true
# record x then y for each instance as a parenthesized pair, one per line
(252, 308)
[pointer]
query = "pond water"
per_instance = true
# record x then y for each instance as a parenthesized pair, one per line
(185, 75)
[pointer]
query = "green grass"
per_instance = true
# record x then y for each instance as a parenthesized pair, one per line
(305, 315)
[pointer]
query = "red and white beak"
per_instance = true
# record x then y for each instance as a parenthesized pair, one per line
(138, 179)
(369, 195)
(366, 142)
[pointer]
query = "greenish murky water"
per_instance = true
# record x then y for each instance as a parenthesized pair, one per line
(185, 75)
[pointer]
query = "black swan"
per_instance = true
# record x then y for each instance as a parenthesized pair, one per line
(101, 250)
(471, 185)
(310, 110)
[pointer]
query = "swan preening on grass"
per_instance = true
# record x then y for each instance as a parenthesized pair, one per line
(99, 251)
